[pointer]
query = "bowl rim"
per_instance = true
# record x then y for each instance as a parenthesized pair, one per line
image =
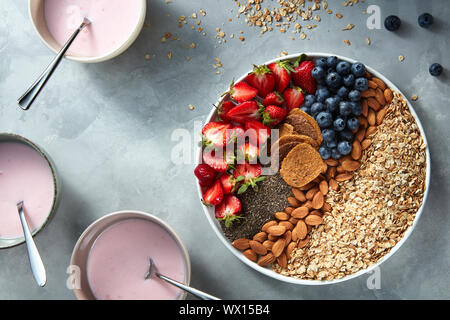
(124, 215)
(114, 53)
(6, 243)
(269, 272)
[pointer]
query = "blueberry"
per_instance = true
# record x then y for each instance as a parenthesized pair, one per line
(321, 62)
(339, 124)
(343, 68)
(332, 103)
(318, 73)
(332, 144)
(436, 69)
(324, 152)
(358, 69)
(361, 84)
(343, 92)
(345, 108)
(425, 20)
(356, 108)
(309, 100)
(316, 108)
(321, 82)
(392, 23)
(353, 123)
(328, 135)
(344, 148)
(349, 80)
(334, 80)
(324, 119)
(335, 154)
(354, 95)
(306, 109)
(332, 62)
(322, 94)
(346, 135)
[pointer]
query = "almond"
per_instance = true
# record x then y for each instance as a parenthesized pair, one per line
(365, 144)
(283, 216)
(332, 162)
(333, 184)
(287, 236)
(276, 230)
(299, 195)
(241, 244)
(380, 97)
(266, 260)
(257, 247)
(363, 122)
(278, 247)
(371, 118)
(288, 210)
(326, 207)
(290, 248)
(372, 84)
(340, 169)
(323, 186)
(250, 254)
(344, 176)
(293, 202)
(313, 220)
(311, 192)
(317, 201)
(360, 134)
(268, 224)
(260, 237)
(373, 104)
(388, 95)
(268, 244)
(380, 116)
(365, 107)
(272, 237)
(356, 150)
(370, 131)
(368, 93)
(331, 172)
(287, 224)
(308, 204)
(301, 228)
(306, 186)
(293, 220)
(300, 212)
(379, 82)
(282, 260)
(302, 243)
(351, 165)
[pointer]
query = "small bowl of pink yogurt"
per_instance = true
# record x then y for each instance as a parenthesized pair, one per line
(26, 174)
(115, 26)
(111, 259)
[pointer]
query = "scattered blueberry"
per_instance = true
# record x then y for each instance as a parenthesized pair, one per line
(358, 69)
(333, 80)
(335, 154)
(339, 124)
(425, 20)
(324, 119)
(343, 68)
(356, 108)
(353, 123)
(306, 109)
(316, 108)
(321, 62)
(345, 108)
(325, 152)
(392, 23)
(332, 103)
(344, 148)
(322, 94)
(346, 135)
(328, 135)
(436, 69)
(309, 100)
(332, 144)
(332, 62)
(361, 84)
(343, 92)
(354, 95)
(349, 80)
(318, 73)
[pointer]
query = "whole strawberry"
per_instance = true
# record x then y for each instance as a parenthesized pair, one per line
(294, 98)
(274, 98)
(241, 91)
(302, 75)
(223, 109)
(262, 79)
(273, 115)
(205, 174)
(281, 70)
(214, 195)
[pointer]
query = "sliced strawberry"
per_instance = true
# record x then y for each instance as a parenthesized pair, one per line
(228, 183)
(219, 162)
(274, 98)
(302, 75)
(223, 109)
(215, 133)
(205, 174)
(246, 111)
(262, 79)
(281, 70)
(257, 132)
(248, 152)
(242, 91)
(250, 174)
(214, 195)
(235, 133)
(294, 98)
(228, 210)
(273, 115)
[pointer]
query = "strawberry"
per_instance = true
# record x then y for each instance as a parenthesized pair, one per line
(248, 151)
(223, 109)
(262, 79)
(293, 97)
(205, 175)
(246, 111)
(228, 183)
(273, 115)
(302, 75)
(218, 162)
(257, 132)
(214, 195)
(281, 70)
(250, 174)
(273, 98)
(215, 133)
(241, 91)
(228, 211)
(235, 133)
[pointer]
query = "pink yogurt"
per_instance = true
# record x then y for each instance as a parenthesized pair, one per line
(113, 21)
(118, 262)
(24, 176)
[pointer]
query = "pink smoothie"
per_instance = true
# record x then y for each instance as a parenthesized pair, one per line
(112, 23)
(24, 176)
(118, 261)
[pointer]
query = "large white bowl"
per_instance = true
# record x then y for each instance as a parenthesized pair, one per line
(209, 211)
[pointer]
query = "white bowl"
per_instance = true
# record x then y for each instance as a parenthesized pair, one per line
(209, 211)
(36, 13)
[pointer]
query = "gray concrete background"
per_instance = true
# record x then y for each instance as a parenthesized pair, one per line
(108, 128)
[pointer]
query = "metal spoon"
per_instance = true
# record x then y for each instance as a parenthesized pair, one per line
(37, 267)
(199, 294)
(28, 97)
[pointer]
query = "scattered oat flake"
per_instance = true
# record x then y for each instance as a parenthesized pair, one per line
(188, 58)
(349, 27)
(202, 12)
(303, 36)
(147, 57)
(414, 98)
(192, 45)
(191, 107)
(284, 53)
(339, 16)
(241, 38)
(368, 41)
(401, 58)
(347, 42)
(169, 55)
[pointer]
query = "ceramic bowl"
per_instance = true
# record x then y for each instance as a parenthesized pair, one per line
(84, 244)
(36, 13)
(209, 211)
(10, 137)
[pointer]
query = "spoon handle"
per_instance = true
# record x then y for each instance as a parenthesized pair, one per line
(26, 100)
(193, 291)
(37, 266)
